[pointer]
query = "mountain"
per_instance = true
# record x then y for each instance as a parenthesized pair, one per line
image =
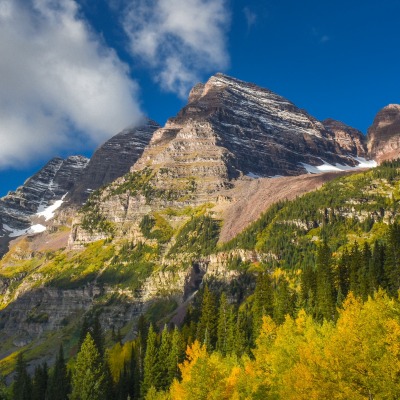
(112, 160)
(384, 134)
(168, 209)
(52, 182)
(231, 128)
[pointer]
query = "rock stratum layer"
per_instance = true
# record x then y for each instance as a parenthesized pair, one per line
(52, 182)
(384, 134)
(112, 159)
(231, 128)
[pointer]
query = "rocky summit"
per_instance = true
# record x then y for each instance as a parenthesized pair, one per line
(384, 134)
(52, 182)
(231, 128)
(112, 159)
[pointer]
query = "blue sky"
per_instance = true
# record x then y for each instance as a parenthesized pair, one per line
(73, 73)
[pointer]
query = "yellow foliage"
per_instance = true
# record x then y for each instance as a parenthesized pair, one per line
(117, 357)
(356, 358)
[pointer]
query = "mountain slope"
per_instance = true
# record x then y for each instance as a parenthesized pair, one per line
(112, 160)
(52, 182)
(384, 134)
(240, 128)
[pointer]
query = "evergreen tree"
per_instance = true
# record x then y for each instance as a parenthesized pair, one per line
(263, 300)
(363, 273)
(230, 334)
(343, 276)
(91, 324)
(59, 384)
(40, 381)
(135, 370)
(308, 288)
(123, 385)
(175, 356)
(163, 356)
(151, 373)
(22, 386)
(222, 325)
(89, 380)
(207, 326)
(326, 298)
(283, 301)
(392, 260)
(4, 392)
(243, 333)
(377, 267)
(355, 266)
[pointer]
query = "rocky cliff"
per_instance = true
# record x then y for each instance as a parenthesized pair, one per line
(231, 128)
(112, 159)
(384, 134)
(52, 182)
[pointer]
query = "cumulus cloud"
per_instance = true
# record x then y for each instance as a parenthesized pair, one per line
(179, 39)
(60, 85)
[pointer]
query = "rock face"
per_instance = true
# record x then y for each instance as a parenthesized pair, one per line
(112, 160)
(348, 139)
(384, 134)
(231, 128)
(53, 181)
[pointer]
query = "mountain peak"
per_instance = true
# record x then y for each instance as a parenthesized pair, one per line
(384, 134)
(113, 159)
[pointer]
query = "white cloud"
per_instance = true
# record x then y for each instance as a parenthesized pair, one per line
(60, 85)
(179, 39)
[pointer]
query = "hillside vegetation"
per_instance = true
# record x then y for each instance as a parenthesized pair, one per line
(313, 314)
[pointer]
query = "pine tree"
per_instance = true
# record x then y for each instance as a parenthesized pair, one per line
(326, 298)
(163, 356)
(343, 275)
(4, 392)
(91, 324)
(377, 267)
(59, 384)
(355, 266)
(207, 326)
(97, 334)
(22, 386)
(283, 301)
(176, 355)
(222, 325)
(308, 288)
(363, 273)
(150, 366)
(40, 381)
(89, 378)
(263, 300)
(243, 338)
(392, 261)
(230, 335)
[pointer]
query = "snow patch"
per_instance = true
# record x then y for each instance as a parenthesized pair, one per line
(48, 212)
(363, 163)
(326, 167)
(37, 228)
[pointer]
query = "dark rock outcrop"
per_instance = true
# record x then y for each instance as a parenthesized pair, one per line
(112, 160)
(347, 139)
(384, 134)
(52, 182)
